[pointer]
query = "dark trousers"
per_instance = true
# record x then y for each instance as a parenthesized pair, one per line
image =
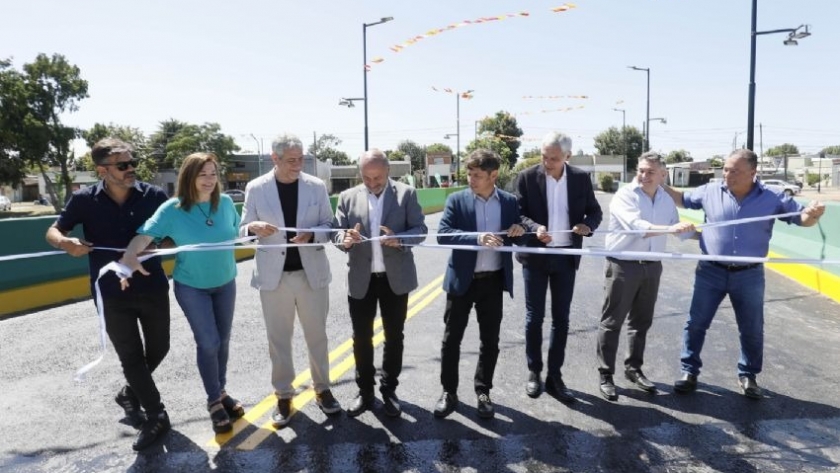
(486, 296)
(393, 309)
(557, 272)
(125, 318)
(629, 287)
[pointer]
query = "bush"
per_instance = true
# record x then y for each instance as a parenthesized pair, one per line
(606, 182)
(813, 179)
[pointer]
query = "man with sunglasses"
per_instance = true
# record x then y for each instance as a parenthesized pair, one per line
(110, 213)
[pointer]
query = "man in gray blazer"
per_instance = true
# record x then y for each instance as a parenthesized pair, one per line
(380, 271)
(292, 277)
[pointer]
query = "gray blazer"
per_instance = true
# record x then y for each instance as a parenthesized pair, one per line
(262, 203)
(401, 213)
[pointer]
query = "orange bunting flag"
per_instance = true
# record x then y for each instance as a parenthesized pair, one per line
(377, 60)
(437, 31)
(619, 102)
(566, 109)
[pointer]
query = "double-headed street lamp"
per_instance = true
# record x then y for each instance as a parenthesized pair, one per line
(646, 147)
(365, 67)
(794, 34)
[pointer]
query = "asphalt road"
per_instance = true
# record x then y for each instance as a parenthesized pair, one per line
(50, 423)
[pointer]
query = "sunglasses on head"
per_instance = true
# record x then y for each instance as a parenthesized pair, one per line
(123, 165)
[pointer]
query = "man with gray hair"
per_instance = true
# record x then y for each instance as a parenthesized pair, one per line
(293, 277)
(380, 271)
(557, 203)
(632, 285)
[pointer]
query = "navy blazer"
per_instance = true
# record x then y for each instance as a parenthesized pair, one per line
(459, 216)
(533, 206)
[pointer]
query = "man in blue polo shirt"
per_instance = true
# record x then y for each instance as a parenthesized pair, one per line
(739, 196)
(110, 213)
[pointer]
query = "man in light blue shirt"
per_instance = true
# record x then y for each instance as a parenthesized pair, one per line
(739, 196)
(632, 285)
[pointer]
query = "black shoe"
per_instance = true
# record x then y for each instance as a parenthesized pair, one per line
(534, 386)
(360, 404)
(638, 378)
(686, 384)
(607, 388)
(391, 404)
(131, 405)
(446, 404)
(282, 414)
(554, 385)
(152, 429)
(327, 402)
(749, 387)
(485, 406)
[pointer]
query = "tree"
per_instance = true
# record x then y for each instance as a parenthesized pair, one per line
(503, 126)
(175, 140)
(439, 148)
(629, 141)
(147, 168)
(31, 103)
(786, 149)
(495, 144)
(716, 161)
(415, 152)
(531, 153)
(324, 149)
(678, 156)
(395, 155)
(832, 150)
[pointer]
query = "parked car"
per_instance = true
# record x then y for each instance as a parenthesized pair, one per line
(236, 194)
(779, 185)
(5, 204)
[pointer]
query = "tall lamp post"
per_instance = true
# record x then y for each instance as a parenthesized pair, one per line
(259, 154)
(646, 147)
(458, 135)
(623, 140)
(799, 32)
(365, 69)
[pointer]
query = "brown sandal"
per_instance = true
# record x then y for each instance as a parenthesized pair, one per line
(219, 417)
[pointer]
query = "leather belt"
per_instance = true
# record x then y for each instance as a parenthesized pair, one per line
(486, 274)
(379, 275)
(732, 268)
(637, 261)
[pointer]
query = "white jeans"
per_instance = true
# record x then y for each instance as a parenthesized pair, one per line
(294, 294)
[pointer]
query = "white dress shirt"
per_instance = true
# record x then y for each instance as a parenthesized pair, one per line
(557, 197)
(377, 263)
(632, 209)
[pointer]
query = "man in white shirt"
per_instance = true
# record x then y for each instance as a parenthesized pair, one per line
(632, 283)
(380, 271)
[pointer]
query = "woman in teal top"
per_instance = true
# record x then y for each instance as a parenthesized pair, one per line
(204, 280)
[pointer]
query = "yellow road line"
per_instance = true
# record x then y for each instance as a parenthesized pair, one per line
(267, 429)
(260, 409)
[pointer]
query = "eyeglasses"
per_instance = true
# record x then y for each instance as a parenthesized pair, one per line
(123, 165)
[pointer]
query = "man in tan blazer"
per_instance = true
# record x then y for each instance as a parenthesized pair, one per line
(292, 278)
(380, 271)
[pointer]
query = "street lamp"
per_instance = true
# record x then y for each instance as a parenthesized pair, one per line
(259, 154)
(458, 135)
(365, 69)
(794, 34)
(646, 147)
(348, 102)
(660, 120)
(623, 140)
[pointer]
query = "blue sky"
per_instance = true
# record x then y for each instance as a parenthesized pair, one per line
(264, 67)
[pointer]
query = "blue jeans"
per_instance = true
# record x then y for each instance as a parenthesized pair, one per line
(210, 315)
(746, 292)
(558, 272)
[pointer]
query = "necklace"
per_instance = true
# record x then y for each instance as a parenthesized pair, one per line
(209, 221)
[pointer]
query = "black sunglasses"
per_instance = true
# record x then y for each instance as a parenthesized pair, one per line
(123, 165)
